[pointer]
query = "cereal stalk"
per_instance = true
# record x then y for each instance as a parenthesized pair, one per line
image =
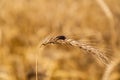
(96, 53)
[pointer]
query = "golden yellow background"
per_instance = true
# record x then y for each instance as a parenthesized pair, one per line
(24, 24)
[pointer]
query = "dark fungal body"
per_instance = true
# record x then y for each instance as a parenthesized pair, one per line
(60, 37)
(54, 40)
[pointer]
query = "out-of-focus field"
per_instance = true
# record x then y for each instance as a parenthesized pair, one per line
(24, 24)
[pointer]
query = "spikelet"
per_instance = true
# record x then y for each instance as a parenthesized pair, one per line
(95, 52)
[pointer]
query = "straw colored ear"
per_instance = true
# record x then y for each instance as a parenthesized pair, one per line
(95, 52)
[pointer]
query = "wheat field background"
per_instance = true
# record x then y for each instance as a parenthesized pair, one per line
(24, 24)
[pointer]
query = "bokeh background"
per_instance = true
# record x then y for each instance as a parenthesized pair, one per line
(24, 24)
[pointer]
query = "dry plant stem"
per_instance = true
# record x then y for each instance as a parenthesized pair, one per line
(109, 69)
(105, 9)
(36, 67)
(36, 61)
(110, 17)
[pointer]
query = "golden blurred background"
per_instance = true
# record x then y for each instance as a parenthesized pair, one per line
(24, 24)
